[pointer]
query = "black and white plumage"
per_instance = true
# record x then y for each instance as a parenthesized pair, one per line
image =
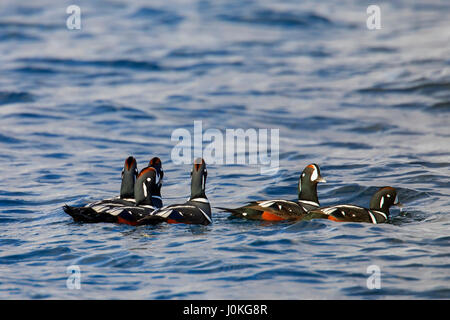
(277, 210)
(147, 196)
(100, 211)
(196, 210)
(378, 212)
(146, 188)
(156, 163)
(124, 209)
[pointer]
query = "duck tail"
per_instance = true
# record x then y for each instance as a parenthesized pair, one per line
(87, 214)
(236, 213)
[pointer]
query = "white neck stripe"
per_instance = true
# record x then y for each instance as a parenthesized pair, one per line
(204, 200)
(382, 213)
(207, 217)
(374, 220)
(309, 202)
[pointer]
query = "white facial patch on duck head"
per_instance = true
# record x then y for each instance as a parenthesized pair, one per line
(314, 174)
(381, 202)
(144, 187)
(205, 173)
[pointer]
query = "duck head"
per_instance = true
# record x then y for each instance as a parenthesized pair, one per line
(145, 186)
(198, 179)
(383, 199)
(156, 163)
(129, 174)
(307, 185)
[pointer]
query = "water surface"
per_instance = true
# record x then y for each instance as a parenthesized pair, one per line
(370, 107)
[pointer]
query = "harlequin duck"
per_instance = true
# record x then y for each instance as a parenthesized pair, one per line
(380, 203)
(156, 193)
(143, 184)
(196, 210)
(147, 195)
(277, 210)
(142, 202)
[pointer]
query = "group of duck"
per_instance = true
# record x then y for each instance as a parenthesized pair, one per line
(140, 201)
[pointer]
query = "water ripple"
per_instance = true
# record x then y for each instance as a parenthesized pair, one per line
(371, 108)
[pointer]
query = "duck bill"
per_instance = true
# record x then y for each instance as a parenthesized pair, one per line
(321, 179)
(397, 202)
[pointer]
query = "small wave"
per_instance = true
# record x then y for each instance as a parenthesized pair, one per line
(442, 241)
(9, 140)
(429, 87)
(372, 128)
(295, 275)
(157, 16)
(193, 53)
(278, 18)
(44, 254)
(34, 116)
(18, 36)
(303, 226)
(11, 242)
(8, 25)
(7, 97)
(114, 63)
(440, 106)
(346, 145)
(35, 70)
(57, 155)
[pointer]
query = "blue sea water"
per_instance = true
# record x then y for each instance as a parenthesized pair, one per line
(371, 107)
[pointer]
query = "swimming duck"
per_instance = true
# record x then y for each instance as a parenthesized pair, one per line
(378, 212)
(142, 202)
(129, 174)
(196, 210)
(147, 195)
(277, 210)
